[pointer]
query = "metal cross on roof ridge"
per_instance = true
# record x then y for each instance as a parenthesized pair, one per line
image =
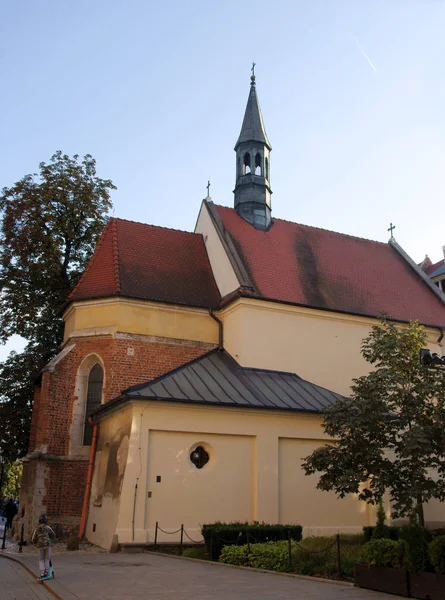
(208, 188)
(391, 227)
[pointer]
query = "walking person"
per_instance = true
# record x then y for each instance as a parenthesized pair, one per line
(42, 537)
(9, 511)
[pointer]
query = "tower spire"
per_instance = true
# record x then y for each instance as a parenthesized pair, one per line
(252, 188)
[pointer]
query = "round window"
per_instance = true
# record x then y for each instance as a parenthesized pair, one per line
(199, 457)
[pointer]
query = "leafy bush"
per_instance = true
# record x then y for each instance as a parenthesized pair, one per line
(273, 556)
(416, 547)
(317, 556)
(436, 553)
(218, 535)
(384, 553)
(393, 533)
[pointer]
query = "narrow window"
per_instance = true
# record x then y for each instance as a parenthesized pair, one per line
(246, 164)
(267, 168)
(94, 400)
(258, 164)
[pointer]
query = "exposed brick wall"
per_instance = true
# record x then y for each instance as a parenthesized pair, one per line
(35, 418)
(65, 488)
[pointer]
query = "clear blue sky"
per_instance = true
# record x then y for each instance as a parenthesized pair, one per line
(352, 94)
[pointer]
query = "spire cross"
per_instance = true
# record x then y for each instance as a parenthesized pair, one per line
(391, 227)
(253, 69)
(208, 189)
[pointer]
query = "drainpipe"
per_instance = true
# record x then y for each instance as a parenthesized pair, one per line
(220, 325)
(86, 500)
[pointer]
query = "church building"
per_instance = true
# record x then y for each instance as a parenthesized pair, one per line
(195, 367)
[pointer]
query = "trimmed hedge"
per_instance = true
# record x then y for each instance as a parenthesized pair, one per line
(219, 535)
(317, 556)
(273, 556)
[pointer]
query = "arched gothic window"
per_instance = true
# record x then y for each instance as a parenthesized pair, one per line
(258, 164)
(246, 164)
(93, 401)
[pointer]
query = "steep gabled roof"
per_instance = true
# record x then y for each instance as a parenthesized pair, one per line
(217, 379)
(151, 263)
(437, 269)
(321, 269)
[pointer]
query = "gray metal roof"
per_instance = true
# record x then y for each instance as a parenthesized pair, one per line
(218, 379)
(253, 128)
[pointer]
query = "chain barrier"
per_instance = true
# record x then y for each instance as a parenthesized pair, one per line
(251, 539)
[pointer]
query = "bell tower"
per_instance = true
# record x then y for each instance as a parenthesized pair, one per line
(252, 188)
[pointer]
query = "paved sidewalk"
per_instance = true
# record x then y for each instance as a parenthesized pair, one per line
(153, 577)
(17, 584)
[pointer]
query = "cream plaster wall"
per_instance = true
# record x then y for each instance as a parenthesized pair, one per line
(253, 473)
(122, 315)
(320, 346)
(223, 272)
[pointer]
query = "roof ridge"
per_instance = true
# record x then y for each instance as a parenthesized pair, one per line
(157, 226)
(348, 235)
(92, 258)
(117, 278)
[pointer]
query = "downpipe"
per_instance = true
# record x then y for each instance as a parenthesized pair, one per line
(86, 499)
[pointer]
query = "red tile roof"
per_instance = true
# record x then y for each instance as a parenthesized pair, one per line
(322, 269)
(151, 263)
(433, 267)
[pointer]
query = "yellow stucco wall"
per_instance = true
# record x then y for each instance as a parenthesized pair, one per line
(320, 346)
(253, 474)
(223, 272)
(123, 315)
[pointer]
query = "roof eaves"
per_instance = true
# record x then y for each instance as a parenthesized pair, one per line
(425, 278)
(229, 247)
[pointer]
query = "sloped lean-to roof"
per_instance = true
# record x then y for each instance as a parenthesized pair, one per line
(149, 263)
(217, 379)
(322, 269)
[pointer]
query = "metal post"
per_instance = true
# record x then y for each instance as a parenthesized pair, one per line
(182, 537)
(21, 543)
(4, 535)
(156, 534)
(248, 541)
(290, 548)
(211, 545)
(338, 555)
(2, 472)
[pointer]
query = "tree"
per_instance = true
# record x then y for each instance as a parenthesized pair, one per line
(49, 224)
(390, 432)
(11, 480)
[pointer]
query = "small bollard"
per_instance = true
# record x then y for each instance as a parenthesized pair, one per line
(21, 543)
(4, 536)
(182, 538)
(337, 539)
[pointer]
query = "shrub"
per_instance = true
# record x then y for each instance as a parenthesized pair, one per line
(380, 530)
(384, 553)
(436, 553)
(393, 533)
(416, 547)
(273, 556)
(196, 552)
(317, 556)
(218, 535)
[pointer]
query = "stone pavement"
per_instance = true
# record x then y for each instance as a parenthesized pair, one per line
(17, 584)
(153, 577)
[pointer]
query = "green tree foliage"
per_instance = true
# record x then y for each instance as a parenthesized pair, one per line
(11, 480)
(49, 224)
(390, 432)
